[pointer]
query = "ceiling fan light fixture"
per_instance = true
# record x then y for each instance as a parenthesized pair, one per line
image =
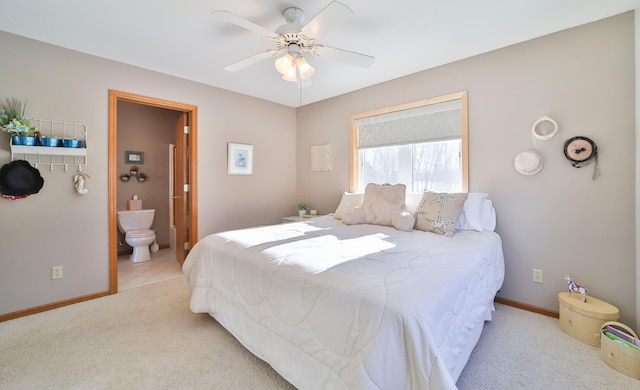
(293, 67)
(291, 75)
(284, 63)
(304, 68)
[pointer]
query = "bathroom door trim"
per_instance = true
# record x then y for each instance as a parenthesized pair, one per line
(192, 163)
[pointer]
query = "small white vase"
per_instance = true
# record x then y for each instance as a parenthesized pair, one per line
(302, 212)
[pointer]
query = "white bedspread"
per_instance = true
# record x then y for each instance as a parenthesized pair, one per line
(331, 306)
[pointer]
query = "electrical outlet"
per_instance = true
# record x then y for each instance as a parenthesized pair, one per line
(56, 272)
(537, 275)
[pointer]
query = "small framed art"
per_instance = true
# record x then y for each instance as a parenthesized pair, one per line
(240, 159)
(133, 157)
(321, 158)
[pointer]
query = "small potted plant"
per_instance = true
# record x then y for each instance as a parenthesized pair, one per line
(14, 122)
(302, 208)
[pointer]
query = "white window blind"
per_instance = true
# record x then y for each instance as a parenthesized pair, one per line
(435, 122)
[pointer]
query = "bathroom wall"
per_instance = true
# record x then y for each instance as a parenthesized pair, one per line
(149, 130)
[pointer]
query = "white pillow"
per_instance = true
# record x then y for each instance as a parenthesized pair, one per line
(349, 200)
(471, 216)
(353, 216)
(488, 215)
(403, 220)
(381, 201)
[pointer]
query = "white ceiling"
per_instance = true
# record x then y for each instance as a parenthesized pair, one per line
(180, 38)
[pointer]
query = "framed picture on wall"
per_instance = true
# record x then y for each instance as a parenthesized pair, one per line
(240, 159)
(321, 158)
(133, 157)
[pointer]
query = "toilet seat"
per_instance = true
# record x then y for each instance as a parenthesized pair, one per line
(140, 233)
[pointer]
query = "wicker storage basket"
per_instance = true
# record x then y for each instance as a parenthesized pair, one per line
(583, 320)
(618, 355)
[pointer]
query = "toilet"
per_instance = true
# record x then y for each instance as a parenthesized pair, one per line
(136, 224)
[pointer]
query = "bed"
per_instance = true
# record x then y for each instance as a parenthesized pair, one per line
(362, 306)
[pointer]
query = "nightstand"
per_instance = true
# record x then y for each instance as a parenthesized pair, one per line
(294, 218)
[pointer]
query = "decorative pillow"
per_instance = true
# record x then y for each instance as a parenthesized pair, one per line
(353, 216)
(471, 216)
(438, 212)
(403, 220)
(349, 200)
(381, 202)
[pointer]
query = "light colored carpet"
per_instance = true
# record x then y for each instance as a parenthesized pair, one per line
(147, 338)
(142, 338)
(524, 350)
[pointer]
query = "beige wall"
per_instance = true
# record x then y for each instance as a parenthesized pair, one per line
(55, 227)
(560, 220)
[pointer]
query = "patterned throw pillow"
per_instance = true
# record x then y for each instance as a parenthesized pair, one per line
(438, 212)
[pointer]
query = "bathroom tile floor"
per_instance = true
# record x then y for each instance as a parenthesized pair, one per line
(162, 266)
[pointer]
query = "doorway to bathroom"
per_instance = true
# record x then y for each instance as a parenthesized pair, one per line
(178, 126)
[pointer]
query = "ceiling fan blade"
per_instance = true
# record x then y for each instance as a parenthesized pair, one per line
(226, 16)
(254, 59)
(345, 56)
(331, 16)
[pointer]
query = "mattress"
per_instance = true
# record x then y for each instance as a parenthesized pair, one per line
(331, 306)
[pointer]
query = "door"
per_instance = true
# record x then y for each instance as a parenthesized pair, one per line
(181, 188)
(186, 212)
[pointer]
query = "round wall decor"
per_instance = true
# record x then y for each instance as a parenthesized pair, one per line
(528, 163)
(581, 151)
(544, 128)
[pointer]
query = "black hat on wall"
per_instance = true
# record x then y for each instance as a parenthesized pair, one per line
(18, 178)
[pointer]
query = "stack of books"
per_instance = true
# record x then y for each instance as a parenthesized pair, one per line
(621, 337)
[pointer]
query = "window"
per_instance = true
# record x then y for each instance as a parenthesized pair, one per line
(421, 144)
(434, 165)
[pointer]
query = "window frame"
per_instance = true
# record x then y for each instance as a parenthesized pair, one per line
(464, 134)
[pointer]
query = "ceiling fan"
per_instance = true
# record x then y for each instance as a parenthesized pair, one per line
(295, 39)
